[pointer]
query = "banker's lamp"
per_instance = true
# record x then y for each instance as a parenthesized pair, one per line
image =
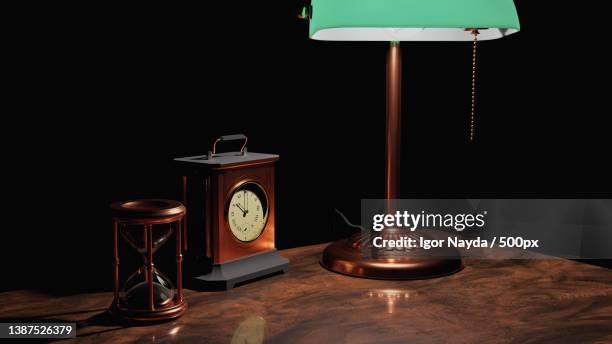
(395, 21)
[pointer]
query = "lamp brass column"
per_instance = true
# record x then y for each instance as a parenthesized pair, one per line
(394, 121)
(356, 256)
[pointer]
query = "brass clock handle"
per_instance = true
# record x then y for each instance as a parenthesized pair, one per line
(225, 138)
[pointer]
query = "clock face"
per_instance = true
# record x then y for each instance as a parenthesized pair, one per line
(248, 212)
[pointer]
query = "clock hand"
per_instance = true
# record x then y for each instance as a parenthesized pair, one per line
(242, 210)
(246, 202)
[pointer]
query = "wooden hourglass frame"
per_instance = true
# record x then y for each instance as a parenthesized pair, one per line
(148, 295)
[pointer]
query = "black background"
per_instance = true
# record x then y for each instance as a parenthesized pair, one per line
(105, 97)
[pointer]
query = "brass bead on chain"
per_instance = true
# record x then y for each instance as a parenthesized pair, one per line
(475, 33)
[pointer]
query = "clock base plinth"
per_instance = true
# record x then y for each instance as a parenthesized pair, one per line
(346, 257)
(226, 275)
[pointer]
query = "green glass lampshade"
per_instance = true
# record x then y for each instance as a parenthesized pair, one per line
(411, 20)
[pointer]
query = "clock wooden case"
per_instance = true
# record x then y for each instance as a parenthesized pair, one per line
(230, 208)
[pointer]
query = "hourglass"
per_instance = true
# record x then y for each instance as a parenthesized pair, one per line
(146, 225)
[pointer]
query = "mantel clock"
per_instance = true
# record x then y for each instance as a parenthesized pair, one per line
(230, 201)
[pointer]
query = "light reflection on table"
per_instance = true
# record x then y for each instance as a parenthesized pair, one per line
(390, 296)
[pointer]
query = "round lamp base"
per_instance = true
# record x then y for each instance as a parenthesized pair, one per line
(346, 257)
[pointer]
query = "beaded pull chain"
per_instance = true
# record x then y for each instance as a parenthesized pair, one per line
(475, 33)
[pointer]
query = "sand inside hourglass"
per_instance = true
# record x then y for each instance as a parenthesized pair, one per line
(135, 293)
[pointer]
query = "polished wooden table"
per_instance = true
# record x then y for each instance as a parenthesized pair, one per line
(538, 301)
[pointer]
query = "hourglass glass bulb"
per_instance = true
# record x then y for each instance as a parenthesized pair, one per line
(135, 293)
(137, 238)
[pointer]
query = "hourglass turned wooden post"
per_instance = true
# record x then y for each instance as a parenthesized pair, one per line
(179, 261)
(149, 235)
(116, 261)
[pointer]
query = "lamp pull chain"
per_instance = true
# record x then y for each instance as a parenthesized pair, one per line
(475, 33)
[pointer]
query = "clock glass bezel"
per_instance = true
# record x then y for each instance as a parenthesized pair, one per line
(261, 193)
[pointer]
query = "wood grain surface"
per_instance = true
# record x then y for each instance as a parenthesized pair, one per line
(508, 301)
